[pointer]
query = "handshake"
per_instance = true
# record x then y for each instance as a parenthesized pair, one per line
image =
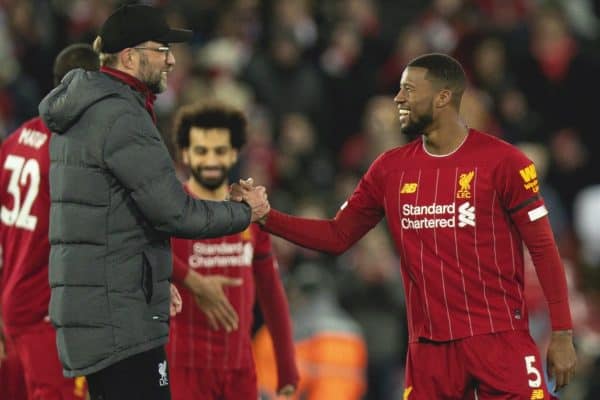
(255, 197)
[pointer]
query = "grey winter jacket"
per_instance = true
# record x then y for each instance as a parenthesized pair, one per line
(116, 201)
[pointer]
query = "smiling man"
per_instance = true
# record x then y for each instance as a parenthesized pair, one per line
(115, 203)
(211, 360)
(460, 204)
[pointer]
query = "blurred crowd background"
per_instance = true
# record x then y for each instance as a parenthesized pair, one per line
(316, 79)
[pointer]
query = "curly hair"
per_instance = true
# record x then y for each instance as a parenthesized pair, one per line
(207, 115)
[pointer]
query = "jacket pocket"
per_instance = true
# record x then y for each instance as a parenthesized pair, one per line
(147, 281)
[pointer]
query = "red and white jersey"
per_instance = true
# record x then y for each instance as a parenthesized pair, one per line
(25, 202)
(193, 343)
(453, 221)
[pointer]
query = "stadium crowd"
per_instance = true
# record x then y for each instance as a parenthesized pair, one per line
(316, 80)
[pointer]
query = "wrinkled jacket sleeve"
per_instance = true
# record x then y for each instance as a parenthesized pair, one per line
(136, 155)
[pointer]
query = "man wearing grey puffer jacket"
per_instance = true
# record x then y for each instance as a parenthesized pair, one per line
(116, 201)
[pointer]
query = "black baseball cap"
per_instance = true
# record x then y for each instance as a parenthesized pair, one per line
(133, 24)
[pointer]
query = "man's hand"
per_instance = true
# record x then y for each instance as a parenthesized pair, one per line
(237, 190)
(256, 197)
(176, 303)
(561, 358)
(287, 391)
(211, 299)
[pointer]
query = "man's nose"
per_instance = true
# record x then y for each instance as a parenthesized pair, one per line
(399, 98)
(170, 58)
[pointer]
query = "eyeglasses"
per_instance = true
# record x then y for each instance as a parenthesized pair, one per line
(166, 50)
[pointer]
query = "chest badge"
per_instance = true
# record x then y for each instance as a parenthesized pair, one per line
(464, 181)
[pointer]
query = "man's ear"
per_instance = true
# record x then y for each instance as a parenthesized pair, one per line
(235, 154)
(185, 158)
(444, 98)
(126, 58)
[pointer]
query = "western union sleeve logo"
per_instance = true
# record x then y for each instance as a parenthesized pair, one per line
(408, 188)
(529, 176)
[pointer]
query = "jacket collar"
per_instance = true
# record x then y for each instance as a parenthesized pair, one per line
(137, 85)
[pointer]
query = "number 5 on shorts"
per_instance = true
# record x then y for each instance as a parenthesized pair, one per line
(532, 370)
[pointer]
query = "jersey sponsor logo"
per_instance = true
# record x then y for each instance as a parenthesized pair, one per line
(464, 182)
(466, 215)
(529, 176)
(32, 138)
(407, 393)
(214, 255)
(437, 216)
(163, 380)
(408, 188)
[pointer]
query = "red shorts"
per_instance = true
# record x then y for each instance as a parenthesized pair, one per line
(12, 381)
(36, 349)
(211, 384)
(498, 366)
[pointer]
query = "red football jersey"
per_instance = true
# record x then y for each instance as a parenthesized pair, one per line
(193, 343)
(25, 202)
(453, 219)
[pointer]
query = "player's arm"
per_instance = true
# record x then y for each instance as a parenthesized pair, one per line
(539, 239)
(274, 306)
(333, 236)
(525, 207)
(356, 217)
(561, 356)
(520, 192)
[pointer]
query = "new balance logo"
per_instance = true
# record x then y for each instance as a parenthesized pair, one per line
(537, 394)
(408, 188)
(466, 215)
(163, 380)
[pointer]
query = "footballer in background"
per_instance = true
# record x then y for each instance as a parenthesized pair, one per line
(210, 344)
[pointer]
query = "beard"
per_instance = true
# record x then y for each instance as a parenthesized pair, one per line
(157, 84)
(415, 128)
(155, 80)
(210, 183)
